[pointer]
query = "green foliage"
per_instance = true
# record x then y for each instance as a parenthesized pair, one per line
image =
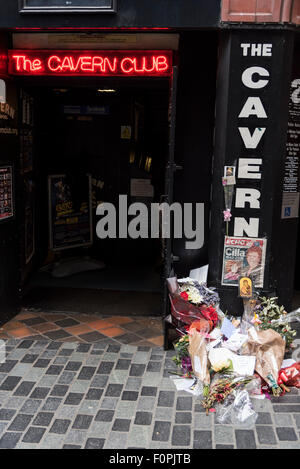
(181, 346)
(268, 311)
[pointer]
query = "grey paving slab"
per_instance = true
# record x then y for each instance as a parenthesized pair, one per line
(112, 396)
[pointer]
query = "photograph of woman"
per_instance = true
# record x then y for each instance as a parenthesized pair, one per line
(253, 267)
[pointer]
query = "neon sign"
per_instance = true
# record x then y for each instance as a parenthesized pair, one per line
(93, 62)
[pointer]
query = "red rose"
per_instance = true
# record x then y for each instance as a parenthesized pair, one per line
(184, 295)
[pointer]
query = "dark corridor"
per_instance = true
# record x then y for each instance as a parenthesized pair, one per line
(119, 136)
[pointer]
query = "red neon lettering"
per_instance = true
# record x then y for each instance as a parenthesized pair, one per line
(136, 67)
(26, 64)
(51, 67)
(37, 65)
(161, 63)
(76, 67)
(120, 63)
(111, 66)
(67, 64)
(97, 62)
(86, 64)
(123, 62)
(145, 67)
(20, 60)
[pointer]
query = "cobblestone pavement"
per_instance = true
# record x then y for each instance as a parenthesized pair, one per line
(107, 395)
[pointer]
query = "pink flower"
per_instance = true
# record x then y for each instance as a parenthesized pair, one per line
(227, 214)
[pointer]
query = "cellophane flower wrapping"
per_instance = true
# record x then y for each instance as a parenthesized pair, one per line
(269, 347)
(290, 376)
(228, 195)
(272, 316)
(237, 410)
(223, 385)
(198, 354)
(191, 301)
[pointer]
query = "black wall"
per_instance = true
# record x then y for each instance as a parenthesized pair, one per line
(9, 233)
(194, 136)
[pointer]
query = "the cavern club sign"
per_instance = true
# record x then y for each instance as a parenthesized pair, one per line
(90, 62)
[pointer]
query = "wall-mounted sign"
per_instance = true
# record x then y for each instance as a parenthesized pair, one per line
(69, 6)
(6, 192)
(291, 186)
(86, 110)
(6, 111)
(90, 62)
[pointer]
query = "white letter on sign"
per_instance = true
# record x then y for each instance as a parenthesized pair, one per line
(241, 225)
(247, 77)
(248, 168)
(251, 141)
(253, 107)
(247, 195)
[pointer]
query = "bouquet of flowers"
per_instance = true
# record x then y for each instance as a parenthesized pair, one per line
(221, 387)
(269, 315)
(192, 301)
(268, 346)
(198, 293)
(228, 196)
(182, 358)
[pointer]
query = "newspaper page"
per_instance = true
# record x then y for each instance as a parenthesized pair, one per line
(244, 257)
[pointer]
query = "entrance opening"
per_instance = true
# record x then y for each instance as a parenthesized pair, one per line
(100, 140)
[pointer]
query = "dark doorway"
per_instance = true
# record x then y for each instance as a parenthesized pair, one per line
(118, 134)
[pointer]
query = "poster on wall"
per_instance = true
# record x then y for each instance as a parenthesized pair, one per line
(6, 193)
(290, 193)
(70, 211)
(244, 257)
(29, 238)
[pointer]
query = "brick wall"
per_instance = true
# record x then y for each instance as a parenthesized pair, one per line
(261, 11)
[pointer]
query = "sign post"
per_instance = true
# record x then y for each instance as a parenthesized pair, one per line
(253, 96)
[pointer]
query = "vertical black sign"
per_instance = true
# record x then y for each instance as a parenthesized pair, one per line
(251, 122)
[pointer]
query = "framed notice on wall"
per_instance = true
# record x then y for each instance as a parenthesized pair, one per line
(6, 193)
(70, 6)
(70, 211)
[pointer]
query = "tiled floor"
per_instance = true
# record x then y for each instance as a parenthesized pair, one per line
(74, 396)
(70, 327)
(78, 381)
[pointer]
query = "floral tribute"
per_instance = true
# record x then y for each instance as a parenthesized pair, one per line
(182, 358)
(221, 388)
(269, 315)
(230, 357)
